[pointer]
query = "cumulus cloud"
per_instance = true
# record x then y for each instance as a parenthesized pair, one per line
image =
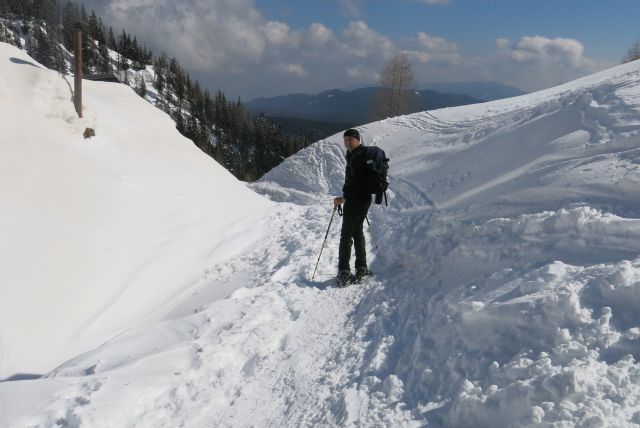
(319, 34)
(539, 49)
(435, 50)
(435, 44)
(360, 41)
(214, 34)
(231, 45)
(279, 33)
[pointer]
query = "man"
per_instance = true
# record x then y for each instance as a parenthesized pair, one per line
(356, 202)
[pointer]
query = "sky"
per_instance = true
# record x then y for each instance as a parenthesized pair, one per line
(250, 48)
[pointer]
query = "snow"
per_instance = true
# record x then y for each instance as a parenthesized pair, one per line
(100, 235)
(508, 294)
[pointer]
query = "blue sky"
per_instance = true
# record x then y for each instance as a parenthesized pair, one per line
(601, 25)
(269, 47)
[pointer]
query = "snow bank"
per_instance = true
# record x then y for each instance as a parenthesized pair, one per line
(104, 234)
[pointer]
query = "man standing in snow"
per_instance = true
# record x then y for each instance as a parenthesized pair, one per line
(356, 202)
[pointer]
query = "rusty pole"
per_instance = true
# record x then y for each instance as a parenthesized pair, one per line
(77, 55)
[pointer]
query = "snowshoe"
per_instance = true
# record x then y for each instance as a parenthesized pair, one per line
(361, 274)
(344, 278)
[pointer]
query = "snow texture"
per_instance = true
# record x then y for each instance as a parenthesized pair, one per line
(508, 295)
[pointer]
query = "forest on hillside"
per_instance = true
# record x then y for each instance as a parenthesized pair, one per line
(247, 145)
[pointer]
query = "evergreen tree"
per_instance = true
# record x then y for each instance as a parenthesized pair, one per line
(111, 42)
(142, 87)
(70, 16)
(16, 40)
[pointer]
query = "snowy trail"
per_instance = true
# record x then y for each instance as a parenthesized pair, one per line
(247, 347)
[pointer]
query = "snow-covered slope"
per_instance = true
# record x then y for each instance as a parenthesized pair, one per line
(100, 235)
(508, 295)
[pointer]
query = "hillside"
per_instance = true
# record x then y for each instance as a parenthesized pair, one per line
(507, 297)
(99, 235)
(222, 128)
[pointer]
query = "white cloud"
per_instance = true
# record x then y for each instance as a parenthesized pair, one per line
(539, 49)
(277, 32)
(435, 50)
(502, 43)
(293, 69)
(231, 45)
(434, 1)
(360, 41)
(205, 35)
(360, 72)
(435, 44)
(319, 34)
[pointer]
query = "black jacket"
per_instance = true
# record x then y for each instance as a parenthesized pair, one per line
(355, 176)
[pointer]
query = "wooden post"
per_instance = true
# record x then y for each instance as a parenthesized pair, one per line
(77, 55)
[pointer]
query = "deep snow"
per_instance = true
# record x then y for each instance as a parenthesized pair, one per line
(508, 296)
(100, 235)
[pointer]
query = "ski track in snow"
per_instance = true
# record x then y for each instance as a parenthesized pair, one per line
(508, 296)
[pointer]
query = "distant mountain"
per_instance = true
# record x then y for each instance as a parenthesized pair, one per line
(307, 128)
(352, 107)
(486, 91)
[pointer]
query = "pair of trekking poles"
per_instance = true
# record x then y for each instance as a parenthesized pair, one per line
(339, 209)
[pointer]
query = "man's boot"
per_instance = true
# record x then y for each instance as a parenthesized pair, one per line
(361, 273)
(343, 278)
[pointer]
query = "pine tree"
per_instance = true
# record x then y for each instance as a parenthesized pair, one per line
(70, 16)
(111, 42)
(16, 40)
(142, 87)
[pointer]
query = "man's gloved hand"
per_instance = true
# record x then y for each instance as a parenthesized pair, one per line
(338, 201)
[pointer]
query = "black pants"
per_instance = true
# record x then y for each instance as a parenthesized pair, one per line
(355, 211)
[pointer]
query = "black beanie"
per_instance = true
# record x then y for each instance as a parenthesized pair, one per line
(352, 133)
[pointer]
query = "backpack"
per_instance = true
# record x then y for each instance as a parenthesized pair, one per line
(377, 168)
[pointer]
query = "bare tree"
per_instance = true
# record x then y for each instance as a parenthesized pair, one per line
(633, 53)
(397, 87)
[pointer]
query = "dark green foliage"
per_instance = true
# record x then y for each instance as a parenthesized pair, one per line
(142, 88)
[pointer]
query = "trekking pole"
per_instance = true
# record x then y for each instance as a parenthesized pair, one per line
(325, 240)
(374, 240)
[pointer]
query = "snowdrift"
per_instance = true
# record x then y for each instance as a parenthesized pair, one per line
(508, 294)
(100, 235)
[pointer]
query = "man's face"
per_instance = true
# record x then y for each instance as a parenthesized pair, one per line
(350, 143)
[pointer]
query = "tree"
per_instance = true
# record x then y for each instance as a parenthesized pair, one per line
(397, 86)
(4, 8)
(142, 87)
(112, 40)
(70, 16)
(633, 53)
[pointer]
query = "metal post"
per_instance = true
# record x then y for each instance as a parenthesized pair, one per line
(77, 54)
(374, 241)
(323, 242)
